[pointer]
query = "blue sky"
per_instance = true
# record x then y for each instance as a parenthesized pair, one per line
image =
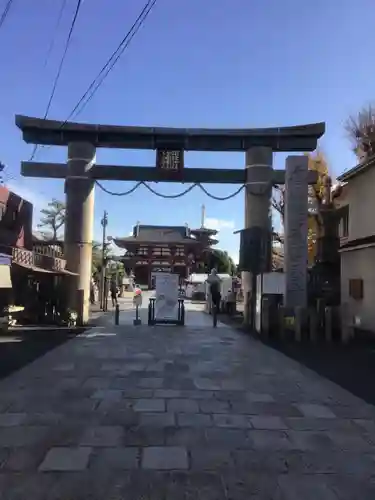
(195, 63)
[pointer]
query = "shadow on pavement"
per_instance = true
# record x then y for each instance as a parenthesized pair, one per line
(352, 367)
(22, 346)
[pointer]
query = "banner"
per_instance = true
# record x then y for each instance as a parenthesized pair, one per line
(166, 303)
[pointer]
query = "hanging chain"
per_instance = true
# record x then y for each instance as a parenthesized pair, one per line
(125, 193)
(221, 198)
(169, 196)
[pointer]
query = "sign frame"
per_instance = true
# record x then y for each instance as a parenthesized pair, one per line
(170, 162)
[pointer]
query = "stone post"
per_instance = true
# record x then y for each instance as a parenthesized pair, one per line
(298, 325)
(313, 325)
(295, 227)
(258, 191)
(79, 189)
(328, 323)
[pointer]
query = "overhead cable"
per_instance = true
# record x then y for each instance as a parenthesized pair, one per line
(108, 66)
(5, 13)
(112, 61)
(67, 44)
(56, 81)
(58, 22)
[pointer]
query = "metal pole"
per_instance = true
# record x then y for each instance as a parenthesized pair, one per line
(117, 314)
(253, 300)
(104, 223)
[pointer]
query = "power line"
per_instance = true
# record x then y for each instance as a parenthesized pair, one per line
(5, 13)
(79, 2)
(59, 18)
(67, 43)
(113, 59)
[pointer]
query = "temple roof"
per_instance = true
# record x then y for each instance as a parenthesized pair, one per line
(173, 235)
(204, 230)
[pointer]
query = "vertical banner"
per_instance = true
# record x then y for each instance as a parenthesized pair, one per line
(166, 303)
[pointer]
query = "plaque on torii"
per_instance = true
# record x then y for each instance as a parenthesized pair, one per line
(170, 163)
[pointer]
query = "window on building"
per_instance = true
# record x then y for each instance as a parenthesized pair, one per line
(344, 223)
(356, 289)
(161, 252)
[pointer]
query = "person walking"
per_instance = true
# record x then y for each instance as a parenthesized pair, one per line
(213, 281)
(114, 293)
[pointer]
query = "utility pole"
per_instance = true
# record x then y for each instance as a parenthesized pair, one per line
(104, 223)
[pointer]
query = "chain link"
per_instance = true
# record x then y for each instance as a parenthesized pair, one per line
(125, 193)
(170, 196)
(221, 198)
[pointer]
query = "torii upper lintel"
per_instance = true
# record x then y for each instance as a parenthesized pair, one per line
(58, 133)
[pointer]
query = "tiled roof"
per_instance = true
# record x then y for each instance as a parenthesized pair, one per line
(358, 169)
(162, 233)
(157, 234)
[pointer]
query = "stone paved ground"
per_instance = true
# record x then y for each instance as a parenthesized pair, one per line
(180, 413)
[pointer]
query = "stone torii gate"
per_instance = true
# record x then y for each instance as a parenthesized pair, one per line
(81, 171)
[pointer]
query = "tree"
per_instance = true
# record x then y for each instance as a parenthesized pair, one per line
(53, 219)
(222, 261)
(97, 256)
(361, 132)
(317, 197)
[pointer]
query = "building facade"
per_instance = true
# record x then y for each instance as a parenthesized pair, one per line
(28, 253)
(16, 219)
(176, 249)
(357, 243)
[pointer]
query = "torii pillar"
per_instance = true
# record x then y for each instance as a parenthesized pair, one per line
(260, 178)
(258, 192)
(79, 189)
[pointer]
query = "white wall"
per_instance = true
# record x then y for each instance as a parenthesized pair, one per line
(360, 196)
(360, 264)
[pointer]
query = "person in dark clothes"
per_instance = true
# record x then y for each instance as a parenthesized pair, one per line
(113, 290)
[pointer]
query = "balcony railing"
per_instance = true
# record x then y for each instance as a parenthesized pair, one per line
(49, 250)
(30, 259)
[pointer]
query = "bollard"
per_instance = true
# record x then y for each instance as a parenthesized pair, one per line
(347, 327)
(137, 320)
(149, 313)
(281, 321)
(313, 324)
(117, 314)
(182, 313)
(265, 321)
(328, 324)
(298, 325)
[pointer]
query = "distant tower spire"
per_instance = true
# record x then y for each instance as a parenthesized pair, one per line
(203, 216)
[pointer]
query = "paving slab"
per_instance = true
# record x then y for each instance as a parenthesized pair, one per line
(171, 412)
(66, 459)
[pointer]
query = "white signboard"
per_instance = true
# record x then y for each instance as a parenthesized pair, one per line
(166, 303)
